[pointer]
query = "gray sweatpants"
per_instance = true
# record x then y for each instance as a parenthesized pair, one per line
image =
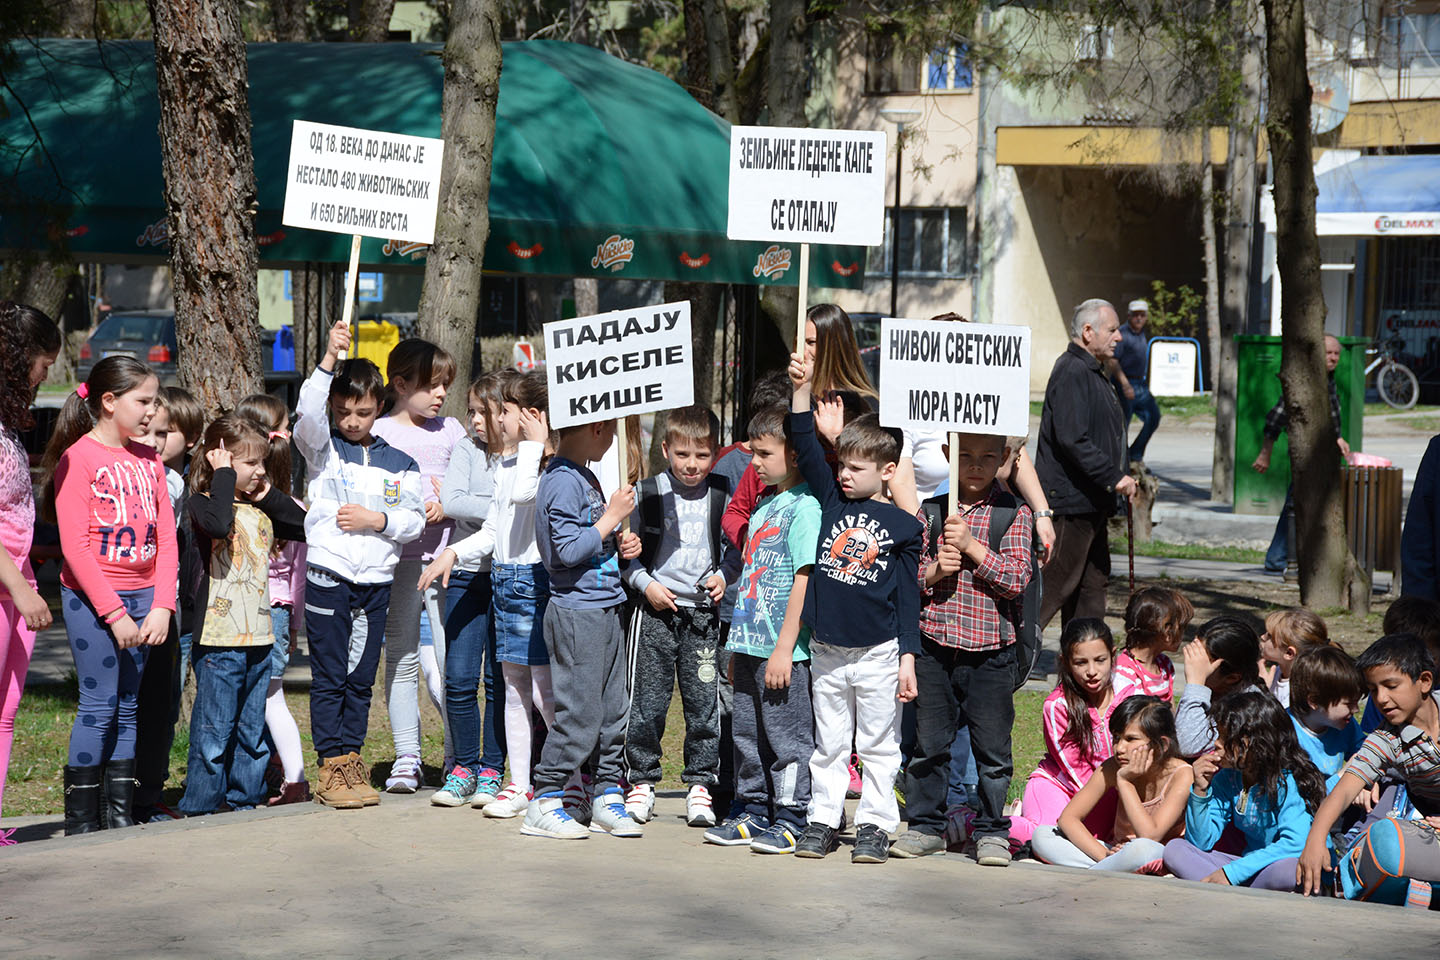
(587, 679)
(669, 644)
(774, 738)
(1051, 845)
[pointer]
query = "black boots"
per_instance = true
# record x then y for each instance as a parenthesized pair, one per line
(119, 793)
(82, 800)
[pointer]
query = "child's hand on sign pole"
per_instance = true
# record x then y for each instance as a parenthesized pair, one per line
(800, 382)
(339, 343)
(629, 545)
(957, 533)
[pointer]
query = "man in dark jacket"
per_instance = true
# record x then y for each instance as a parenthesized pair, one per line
(1418, 569)
(1081, 463)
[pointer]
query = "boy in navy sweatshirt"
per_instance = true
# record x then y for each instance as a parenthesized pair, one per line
(576, 532)
(863, 608)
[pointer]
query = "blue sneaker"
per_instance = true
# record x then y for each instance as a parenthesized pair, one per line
(780, 838)
(459, 788)
(737, 831)
(487, 786)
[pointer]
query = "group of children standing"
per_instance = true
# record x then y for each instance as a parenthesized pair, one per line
(856, 636)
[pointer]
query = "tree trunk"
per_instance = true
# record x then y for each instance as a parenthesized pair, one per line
(46, 285)
(370, 19)
(292, 23)
(450, 300)
(697, 55)
(587, 296)
(209, 165)
(1314, 455)
(785, 97)
(306, 323)
(1240, 175)
(1210, 257)
(720, 59)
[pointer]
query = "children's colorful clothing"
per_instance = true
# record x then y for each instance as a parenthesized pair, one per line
(1330, 748)
(1134, 674)
(783, 533)
(1274, 828)
(429, 444)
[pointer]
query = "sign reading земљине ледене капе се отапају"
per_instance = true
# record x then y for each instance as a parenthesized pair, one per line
(801, 185)
(615, 364)
(363, 182)
(953, 376)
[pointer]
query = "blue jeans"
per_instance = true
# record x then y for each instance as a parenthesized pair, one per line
(228, 755)
(1277, 557)
(470, 654)
(964, 777)
(1144, 407)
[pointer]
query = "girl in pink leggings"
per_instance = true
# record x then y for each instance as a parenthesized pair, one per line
(29, 343)
(1076, 720)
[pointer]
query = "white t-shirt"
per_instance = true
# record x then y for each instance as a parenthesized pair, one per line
(925, 448)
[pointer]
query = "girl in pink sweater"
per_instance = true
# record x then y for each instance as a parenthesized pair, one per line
(117, 534)
(1076, 720)
(29, 343)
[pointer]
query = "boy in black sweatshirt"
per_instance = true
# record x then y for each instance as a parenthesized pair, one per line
(863, 608)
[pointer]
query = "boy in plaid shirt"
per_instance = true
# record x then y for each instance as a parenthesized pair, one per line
(969, 620)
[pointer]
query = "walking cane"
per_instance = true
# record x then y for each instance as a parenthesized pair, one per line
(1130, 535)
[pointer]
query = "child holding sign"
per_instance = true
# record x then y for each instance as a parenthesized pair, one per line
(573, 528)
(863, 606)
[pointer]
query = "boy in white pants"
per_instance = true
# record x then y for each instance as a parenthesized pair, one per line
(863, 606)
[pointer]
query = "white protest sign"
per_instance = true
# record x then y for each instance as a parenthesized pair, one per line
(1172, 368)
(616, 364)
(363, 182)
(953, 376)
(807, 186)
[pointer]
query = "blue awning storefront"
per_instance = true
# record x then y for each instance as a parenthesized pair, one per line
(1380, 196)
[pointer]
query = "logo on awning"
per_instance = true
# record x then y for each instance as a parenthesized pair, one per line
(524, 253)
(845, 271)
(694, 263)
(614, 252)
(411, 249)
(156, 234)
(269, 239)
(772, 263)
(1384, 224)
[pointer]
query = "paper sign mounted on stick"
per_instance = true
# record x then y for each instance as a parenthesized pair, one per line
(363, 182)
(616, 364)
(957, 377)
(807, 185)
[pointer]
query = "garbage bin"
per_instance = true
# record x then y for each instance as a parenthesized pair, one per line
(1257, 390)
(1373, 503)
(374, 339)
(282, 356)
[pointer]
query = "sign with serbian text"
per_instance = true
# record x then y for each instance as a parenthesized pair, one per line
(953, 376)
(616, 364)
(807, 186)
(347, 180)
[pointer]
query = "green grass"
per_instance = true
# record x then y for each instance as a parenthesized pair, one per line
(53, 388)
(1422, 424)
(1036, 406)
(1187, 408)
(1378, 409)
(1190, 551)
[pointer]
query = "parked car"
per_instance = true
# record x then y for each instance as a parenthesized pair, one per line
(150, 336)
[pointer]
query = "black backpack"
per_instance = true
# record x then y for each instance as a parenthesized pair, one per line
(1002, 515)
(654, 508)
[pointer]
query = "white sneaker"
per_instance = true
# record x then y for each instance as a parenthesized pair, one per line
(404, 775)
(511, 802)
(577, 801)
(640, 804)
(609, 816)
(699, 809)
(546, 817)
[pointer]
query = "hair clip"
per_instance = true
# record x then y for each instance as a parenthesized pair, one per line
(83, 390)
(279, 435)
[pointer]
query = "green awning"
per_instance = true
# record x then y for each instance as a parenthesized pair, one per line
(588, 149)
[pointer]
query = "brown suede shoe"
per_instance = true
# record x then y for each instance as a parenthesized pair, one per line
(333, 788)
(360, 779)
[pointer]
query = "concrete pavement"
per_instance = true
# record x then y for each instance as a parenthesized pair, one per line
(408, 879)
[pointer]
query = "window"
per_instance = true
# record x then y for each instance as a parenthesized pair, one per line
(948, 68)
(1411, 38)
(932, 243)
(1095, 43)
(889, 68)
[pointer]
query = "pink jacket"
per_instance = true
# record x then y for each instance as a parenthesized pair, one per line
(1129, 670)
(1065, 763)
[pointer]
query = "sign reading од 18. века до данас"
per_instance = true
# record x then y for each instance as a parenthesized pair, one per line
(807, 186)
(616, 364)
(366, 182)
(954, 376)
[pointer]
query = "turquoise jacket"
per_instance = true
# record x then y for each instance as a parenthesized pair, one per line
(1273, 829)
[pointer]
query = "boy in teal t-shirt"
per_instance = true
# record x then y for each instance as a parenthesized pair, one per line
(771, 720)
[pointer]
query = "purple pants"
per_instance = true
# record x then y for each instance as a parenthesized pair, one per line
(1189, 862)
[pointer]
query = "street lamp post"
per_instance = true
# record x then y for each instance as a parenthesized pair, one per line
(899, 117)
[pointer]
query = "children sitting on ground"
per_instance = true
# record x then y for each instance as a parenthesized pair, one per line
(773, 724)
(682, 572)
(1257, 779)
(1325, 689)
(1155, 622)
(1223, 658)
(1076, 721)
(863, 606)
(365, 502)
(1287, 634)
(1395, 861)
(237, 515)
(967, 667)
(1133, 805)
(581, 549)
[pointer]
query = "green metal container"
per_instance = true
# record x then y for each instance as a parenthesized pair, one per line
(1257, 390)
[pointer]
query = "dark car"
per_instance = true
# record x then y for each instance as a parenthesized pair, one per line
(867, 338)
(145, 336)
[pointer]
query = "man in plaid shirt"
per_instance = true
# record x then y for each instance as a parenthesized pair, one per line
(969, 620)
(1277, 421)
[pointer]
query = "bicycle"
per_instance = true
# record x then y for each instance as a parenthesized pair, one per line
(1395, 382)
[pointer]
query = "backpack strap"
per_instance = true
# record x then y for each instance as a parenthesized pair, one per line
(934, 511)
(1002, 515)
(719, 500)
(652, 518)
